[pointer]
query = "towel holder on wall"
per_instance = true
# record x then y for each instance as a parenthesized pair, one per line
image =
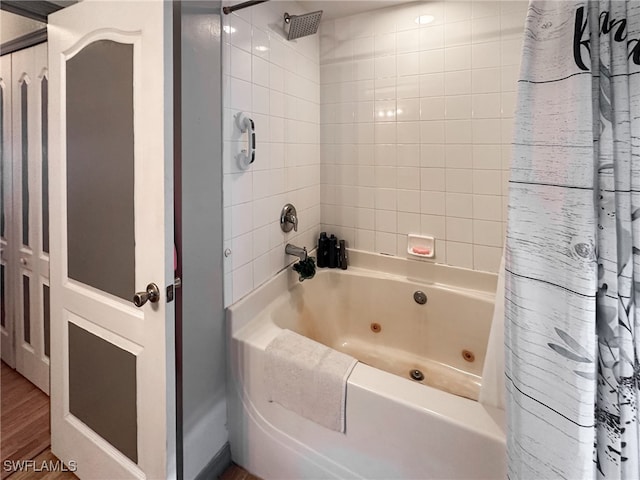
(246, 156)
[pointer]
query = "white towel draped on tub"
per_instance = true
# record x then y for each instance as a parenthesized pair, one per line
(308, 378)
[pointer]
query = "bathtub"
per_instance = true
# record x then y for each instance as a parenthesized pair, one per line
(397, 425)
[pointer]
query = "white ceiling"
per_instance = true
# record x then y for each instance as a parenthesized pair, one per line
(332, 9)
(344, 8)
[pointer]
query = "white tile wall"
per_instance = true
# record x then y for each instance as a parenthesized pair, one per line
(276, 82)
(416, 123)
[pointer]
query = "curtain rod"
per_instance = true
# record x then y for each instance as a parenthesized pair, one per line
(239, 6)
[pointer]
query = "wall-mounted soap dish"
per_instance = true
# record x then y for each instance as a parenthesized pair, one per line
(421, 246)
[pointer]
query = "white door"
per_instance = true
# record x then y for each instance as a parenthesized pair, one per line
(111, 195)
(7, 235)
(24, 326)
(29, 265)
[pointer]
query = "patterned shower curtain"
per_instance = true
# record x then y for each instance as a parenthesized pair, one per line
(573, 245)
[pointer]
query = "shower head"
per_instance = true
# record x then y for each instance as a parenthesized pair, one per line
(302, 25)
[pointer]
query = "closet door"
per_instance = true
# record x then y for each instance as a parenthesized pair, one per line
(7, 231)
(30, 165)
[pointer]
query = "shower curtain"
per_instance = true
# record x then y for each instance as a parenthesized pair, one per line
(573, 245)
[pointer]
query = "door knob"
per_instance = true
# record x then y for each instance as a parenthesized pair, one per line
(152, 295)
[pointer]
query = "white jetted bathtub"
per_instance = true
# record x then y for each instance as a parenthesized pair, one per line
(398, 426)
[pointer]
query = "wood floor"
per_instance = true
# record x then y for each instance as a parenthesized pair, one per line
(235, 472)
(25, 434)
(24, 430)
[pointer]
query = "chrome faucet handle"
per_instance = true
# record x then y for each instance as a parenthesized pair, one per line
(289, 218)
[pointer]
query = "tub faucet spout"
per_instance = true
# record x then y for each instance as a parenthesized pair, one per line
(301, 253)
